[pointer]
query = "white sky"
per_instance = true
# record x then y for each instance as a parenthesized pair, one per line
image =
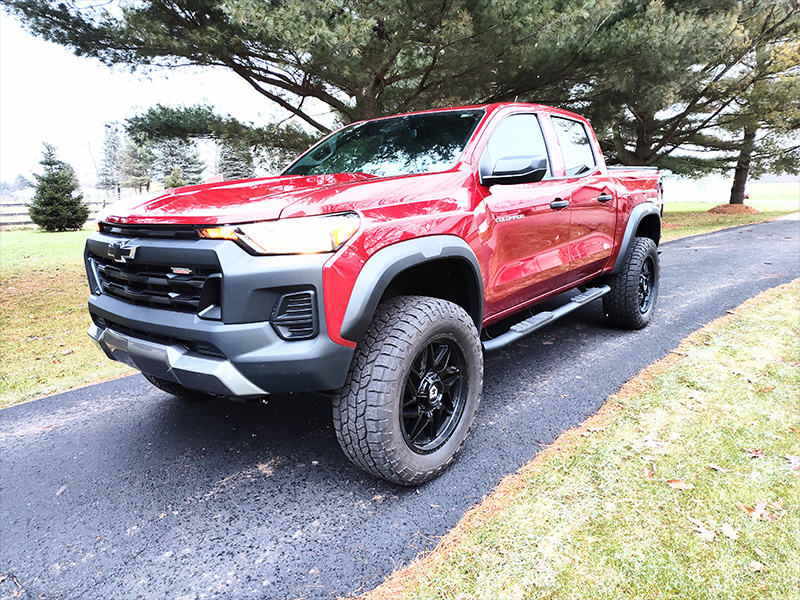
(49, 94)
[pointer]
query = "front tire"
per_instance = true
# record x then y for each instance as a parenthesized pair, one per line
(412, 391)
(634, 290)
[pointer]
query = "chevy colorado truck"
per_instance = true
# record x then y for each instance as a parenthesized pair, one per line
(372, 267)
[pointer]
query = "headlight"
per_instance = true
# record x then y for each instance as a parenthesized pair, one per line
(301, 235)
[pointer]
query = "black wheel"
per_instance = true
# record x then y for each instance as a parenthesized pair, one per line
(412, 391)
(634, 290)
(176, 389)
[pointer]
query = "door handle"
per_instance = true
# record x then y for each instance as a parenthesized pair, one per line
(559, 203)
(605, 198)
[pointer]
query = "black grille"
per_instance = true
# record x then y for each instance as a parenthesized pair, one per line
(165, 232)
(198, 347)
(182, 289)
(295, 317)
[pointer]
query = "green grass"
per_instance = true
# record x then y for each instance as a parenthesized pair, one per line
(44, 347)
(597, 518)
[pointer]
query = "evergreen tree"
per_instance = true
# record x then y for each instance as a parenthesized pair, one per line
(362, 59)
(236, 162)
(110, 176)
(174, 179)
(137, 166)
(174, 153)
(56, 206)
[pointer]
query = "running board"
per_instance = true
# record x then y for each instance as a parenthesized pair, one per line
(537, 321)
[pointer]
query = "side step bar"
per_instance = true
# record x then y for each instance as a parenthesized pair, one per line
(537, 321)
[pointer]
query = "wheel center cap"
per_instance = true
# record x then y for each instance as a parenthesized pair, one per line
(431, 390)
(434, 393)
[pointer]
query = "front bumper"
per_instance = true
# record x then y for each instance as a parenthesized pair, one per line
(243, 351)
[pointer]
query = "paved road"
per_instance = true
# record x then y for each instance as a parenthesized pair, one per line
(120, 491)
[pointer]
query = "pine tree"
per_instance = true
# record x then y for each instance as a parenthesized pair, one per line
(137, 166)
(110, 175)
(174, 179)
(55, 206)
(236, 162)
(178, 154)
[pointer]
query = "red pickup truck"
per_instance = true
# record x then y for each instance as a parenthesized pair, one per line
(372, 267)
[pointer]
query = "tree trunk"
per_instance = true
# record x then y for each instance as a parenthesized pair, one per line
(743, 166)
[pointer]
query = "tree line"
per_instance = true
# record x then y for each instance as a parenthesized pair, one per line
(691, 86)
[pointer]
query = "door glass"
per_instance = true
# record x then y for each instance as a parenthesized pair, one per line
(517, 135)
(575, 146)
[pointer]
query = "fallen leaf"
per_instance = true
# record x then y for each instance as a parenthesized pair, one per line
(702, 531)
(648, 474)
(755, 453)
(591, 430)
(729, 532)
(679, 484)
(794, 462)
(717, 468)
(755, 566)
(765, 390)
(748, 509)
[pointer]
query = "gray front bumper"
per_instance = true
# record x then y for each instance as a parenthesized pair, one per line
(173, 363)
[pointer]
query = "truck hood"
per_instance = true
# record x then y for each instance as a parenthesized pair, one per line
(272, 198)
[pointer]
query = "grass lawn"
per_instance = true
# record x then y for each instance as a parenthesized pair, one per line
(685, 485)
(44, 347)
(682, 219)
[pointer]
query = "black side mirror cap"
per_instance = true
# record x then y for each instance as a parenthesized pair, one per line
(513, 169)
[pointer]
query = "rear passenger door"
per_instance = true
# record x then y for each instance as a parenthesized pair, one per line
(592, 203)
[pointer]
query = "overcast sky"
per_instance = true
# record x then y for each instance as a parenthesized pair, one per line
(49, 94)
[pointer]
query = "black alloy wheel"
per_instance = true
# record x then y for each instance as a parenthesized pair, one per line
(434, 395)
(647, 280)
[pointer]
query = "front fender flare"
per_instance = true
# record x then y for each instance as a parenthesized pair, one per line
(387, 263)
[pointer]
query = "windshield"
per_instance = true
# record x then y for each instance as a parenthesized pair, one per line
(422, 143)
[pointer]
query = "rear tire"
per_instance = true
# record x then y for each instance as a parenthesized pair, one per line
(634, 290)
(176, 389)
(412, 391)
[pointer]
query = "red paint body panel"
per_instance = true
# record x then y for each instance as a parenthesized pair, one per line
(527, 250)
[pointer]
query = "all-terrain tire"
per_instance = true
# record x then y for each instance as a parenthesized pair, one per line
(176, 389)
(634, 290)
(412, 390)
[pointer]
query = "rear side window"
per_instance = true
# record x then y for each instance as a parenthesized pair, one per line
(575, 146)
(517, 135)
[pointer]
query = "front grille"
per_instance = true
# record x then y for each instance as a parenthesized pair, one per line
(187, 290)
(173, 232)
(198, 347)
(295, 317)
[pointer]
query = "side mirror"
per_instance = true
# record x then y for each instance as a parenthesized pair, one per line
(512, 169)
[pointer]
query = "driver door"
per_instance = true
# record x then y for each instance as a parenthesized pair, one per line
(526, 234)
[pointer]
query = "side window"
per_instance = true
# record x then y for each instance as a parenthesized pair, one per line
(517, 135)
(575, 146)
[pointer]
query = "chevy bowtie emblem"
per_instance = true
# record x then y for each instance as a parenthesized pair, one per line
(121, 252)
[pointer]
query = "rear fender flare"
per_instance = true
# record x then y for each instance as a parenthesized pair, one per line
(638, 214)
